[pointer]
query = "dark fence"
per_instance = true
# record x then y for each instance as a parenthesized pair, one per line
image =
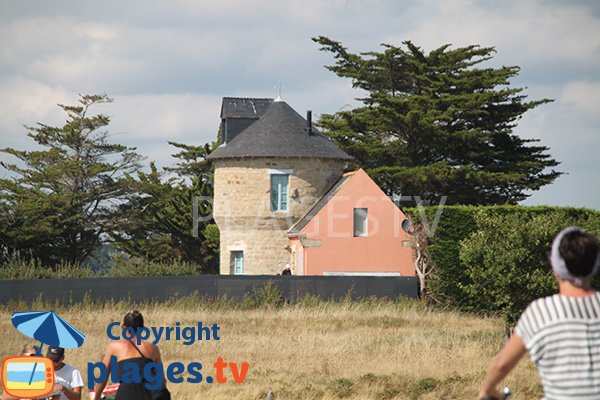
(163, 288)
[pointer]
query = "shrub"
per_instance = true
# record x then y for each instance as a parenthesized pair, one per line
(506, 259)
(342, 387)
(425, 385)
(18, 268)
(132, 267)
(455, 224)
(69, 270)
(493, 259)
(267, 295)
(310, 301)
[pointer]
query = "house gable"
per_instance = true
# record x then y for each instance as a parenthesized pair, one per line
(327, 232)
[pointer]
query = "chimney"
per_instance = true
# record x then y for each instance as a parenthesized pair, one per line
(309, 122)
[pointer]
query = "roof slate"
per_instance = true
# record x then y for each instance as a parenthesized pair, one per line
(244, 107)
(280, 132)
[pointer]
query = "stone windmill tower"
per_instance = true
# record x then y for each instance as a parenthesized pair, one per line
(271, 168)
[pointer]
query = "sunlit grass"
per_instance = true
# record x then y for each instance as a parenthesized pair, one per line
(311, 350)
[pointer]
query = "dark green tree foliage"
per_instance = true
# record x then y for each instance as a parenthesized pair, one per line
(494, 259)
(436, 124)
(58, 201)
(160, 224)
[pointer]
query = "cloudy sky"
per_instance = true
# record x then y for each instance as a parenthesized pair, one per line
(167, 64)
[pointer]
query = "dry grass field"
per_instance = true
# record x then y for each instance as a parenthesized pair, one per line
(312, 350)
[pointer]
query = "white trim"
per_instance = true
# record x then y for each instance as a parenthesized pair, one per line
(237, 247)
(341, 273)
(277, 189)
(300, 255)
(233, 260)
(360, 214)
(280, 171)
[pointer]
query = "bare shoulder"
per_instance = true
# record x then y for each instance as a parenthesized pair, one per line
(154, 351)
(115, 346)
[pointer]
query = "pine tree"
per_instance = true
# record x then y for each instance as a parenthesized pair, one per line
(437, 124)
(160, 225)
(59, 201)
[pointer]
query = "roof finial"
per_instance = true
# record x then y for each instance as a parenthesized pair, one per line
(278, 87)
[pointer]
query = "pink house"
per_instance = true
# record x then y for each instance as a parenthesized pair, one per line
(355, 229)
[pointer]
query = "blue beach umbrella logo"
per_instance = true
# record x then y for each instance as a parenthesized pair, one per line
(48, 328)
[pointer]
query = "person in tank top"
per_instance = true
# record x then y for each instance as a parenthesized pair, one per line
(126, 351)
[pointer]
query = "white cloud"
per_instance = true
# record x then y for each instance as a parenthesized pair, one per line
(260, 13)
(575, 189)
(147, 122)
(97, 31)
(168, 64)
(521, 31)
(582, 96)
(166, 117)
(26, 102)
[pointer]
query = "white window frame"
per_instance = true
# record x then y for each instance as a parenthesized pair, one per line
(300, 269)
(278, 208)
(364, 227)
(234, 270)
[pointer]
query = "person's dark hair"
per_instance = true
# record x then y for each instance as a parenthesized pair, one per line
(580, 252)
(133, 319)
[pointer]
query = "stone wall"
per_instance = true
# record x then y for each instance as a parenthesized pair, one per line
(243, 213)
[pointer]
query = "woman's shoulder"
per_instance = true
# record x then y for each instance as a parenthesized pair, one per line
(117, 347)
(144, 346)
(149, 349)
(118, 343)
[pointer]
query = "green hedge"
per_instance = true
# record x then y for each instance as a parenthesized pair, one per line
(493, 259)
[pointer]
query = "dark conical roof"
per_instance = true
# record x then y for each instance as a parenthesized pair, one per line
(280, 132)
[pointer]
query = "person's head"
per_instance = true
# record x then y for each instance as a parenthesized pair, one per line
(575, 255)
(29, 350)
(133, 320)
(56, 354)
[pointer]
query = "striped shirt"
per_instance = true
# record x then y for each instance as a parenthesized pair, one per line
(562, 335)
